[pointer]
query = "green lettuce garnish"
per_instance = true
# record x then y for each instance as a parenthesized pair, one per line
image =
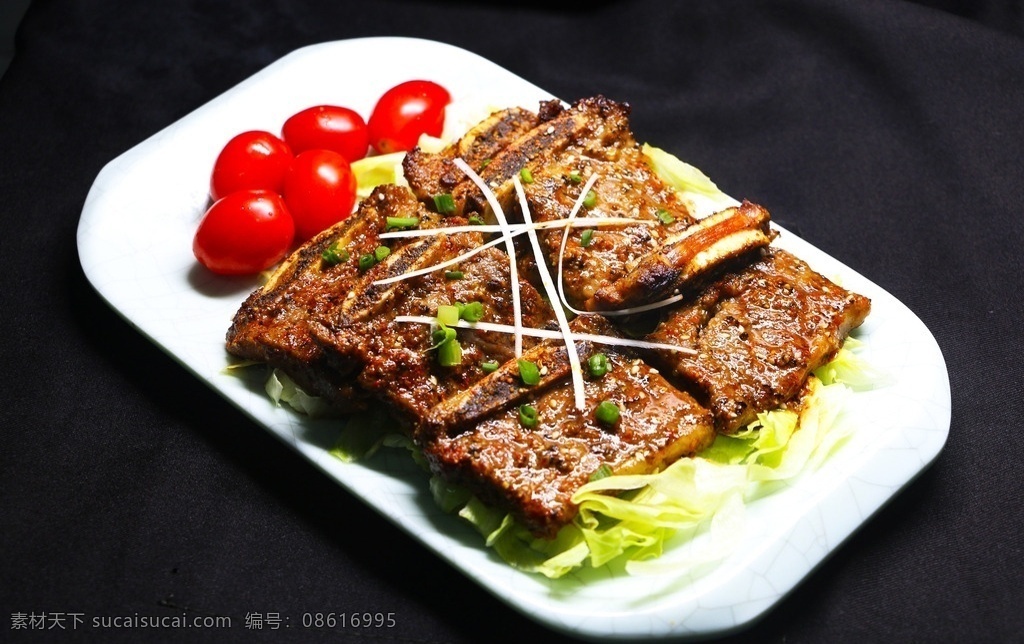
(680, 175)
(629, 520)
(378, 170)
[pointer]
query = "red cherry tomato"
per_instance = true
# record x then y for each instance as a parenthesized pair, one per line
(254, 160)
(245, 232)
(320, 191)
(328, 127)
(406, 111)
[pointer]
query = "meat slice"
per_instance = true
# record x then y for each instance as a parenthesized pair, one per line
(596, 127)
(758, 333)
(476, 438)
(432, 174)
(394, 360)
(687, 255)
(625, 188)
(272, 325)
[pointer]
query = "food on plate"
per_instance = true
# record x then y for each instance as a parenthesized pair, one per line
(477, 437)
(433, 174)
(320, 191)
(245, 232)
(448, 303)
(253, 160)
(311, 166)
(758, 333)
(328, 127)
(404, 113)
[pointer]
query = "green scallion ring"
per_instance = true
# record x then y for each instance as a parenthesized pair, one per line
(489, 366)
(590, 199)
(402, 222)
(607, 412)
(597, 365)
(528, 415)
(444, 203)
(528, 372)
(472, 312)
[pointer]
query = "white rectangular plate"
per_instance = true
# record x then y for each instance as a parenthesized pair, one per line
(136, 251)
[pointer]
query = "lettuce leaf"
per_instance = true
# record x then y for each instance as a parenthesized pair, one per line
(682, 176)
(631, 519)
(374, 171)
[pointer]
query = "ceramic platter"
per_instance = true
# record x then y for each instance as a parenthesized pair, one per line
(136, 251)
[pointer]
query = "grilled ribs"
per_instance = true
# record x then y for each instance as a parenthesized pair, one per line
(758, 319)
(758, 333)
(476, 438)
(273, 323)
(395, 361)
(620, 266)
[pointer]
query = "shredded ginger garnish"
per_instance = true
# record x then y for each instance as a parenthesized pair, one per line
(575, 369)
(555, 289)
(506, 236)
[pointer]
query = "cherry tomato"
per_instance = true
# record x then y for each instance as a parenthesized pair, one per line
(245, 232)
(406, 111)
(328, 127)
(319, 190)
(254, 160)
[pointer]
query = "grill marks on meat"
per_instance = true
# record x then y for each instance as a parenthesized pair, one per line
(395, 361)
(759, 332)
(596, 127)
(272, 325)
(475, 438)
(760, 319)
(435, 174)
(626, 188)
(687, 255)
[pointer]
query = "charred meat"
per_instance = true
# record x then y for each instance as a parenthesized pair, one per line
(430, 175)
(532, 465)
(272, 325)
(396, 362)
(758, 333)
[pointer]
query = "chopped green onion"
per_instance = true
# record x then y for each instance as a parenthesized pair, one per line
(590, 199)
(448, 314)
(475, 221)
(529, 372)
(402, 222)
(366, 262)
(607, 412)
(454, 275)
(449, 353)
(486, 162)
(528, 415)
(575, 177)
(471, 311)
(489, 366)
(597, 365)
(333, 255)
(444, 203)
(586, 237)
(665, 216)
(441, 335)
(381, 252)
(602, 472)
(526, 176)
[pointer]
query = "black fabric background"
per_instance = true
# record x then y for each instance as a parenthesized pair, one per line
(888, 134)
